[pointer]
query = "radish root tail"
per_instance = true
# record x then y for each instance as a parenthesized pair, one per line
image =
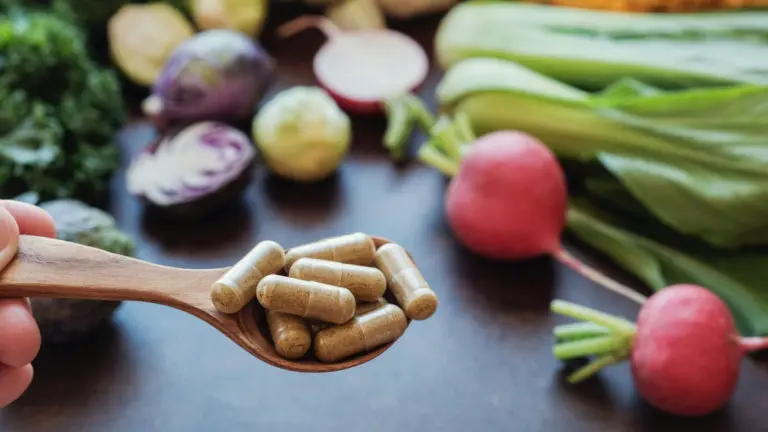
(595, 276)
(305, 22)
(751, 344)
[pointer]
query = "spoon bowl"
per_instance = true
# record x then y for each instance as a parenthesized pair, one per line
(45, 267)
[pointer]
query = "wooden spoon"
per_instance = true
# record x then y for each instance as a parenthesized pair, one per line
(45, 267)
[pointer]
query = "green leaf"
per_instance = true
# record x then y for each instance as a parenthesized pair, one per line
(736, 277)
(697, 160)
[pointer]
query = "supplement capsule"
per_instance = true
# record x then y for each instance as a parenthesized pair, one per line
(366, 283)
(365, 307)
(362, 308)
(406, 282)
(357, 248)
(363, 333)
(290, 334)
(236, 287)
(308, 299)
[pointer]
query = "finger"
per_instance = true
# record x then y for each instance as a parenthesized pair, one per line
(32, 220)
(9, 237)
(13, 382)
(19, 335)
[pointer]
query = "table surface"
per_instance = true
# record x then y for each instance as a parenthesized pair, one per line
(482, 362)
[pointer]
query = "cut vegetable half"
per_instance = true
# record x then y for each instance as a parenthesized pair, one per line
(193, 172)
(363, 68)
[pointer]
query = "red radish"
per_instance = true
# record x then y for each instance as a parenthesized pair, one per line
(684, 351)
(361, 69)
(686, 354)
(508, 201)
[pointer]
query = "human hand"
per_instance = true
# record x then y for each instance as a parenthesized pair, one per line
(19, 334)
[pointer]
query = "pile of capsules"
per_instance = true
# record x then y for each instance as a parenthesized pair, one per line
(328, 295)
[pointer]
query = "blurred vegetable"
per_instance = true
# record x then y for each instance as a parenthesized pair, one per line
(302, 134)
(656, 5)
(694, 159)
(357, 15)
(593, 49)
(352, 68)
(247, 16)
(218, 74)
(64, 320)
(405, 9)
(142, 37)
(59, 111)
(193, 172)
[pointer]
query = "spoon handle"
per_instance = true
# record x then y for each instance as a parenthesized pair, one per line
(45, 267)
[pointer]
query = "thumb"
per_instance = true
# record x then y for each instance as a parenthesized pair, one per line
(9, 237)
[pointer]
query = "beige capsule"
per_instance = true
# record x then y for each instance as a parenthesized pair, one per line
(366, 283)
(406, 282)
(308, 299)
(357, 248)
(290, 334)
(367, 306)
(237, 286)
(363, 333)
(362, 308)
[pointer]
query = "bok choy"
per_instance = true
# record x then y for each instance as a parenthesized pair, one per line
(695, 159)
(592, 49)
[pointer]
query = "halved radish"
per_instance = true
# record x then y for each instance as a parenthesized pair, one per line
(361, 69)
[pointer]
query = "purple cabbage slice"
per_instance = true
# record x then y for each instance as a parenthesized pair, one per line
(194, 171)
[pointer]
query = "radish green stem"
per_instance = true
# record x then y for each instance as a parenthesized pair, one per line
(592, 368)
(595, 276)
(575, 311)
(419, 112)
(588, 347)
(464, 127)
(450, 144)
(580, 330)
(430, 156)
(308, 21)
(399, 126)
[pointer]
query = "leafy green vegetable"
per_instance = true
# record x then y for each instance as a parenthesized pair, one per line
(737, 277)
(695, 159)
(59, 111)
(593, 49)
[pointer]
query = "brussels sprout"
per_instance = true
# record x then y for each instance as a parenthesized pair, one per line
(302, 134)
(63, 320)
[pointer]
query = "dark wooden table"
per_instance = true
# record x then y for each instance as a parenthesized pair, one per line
(483, 362)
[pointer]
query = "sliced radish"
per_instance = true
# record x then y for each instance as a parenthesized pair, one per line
(363, 68)
(194, 171)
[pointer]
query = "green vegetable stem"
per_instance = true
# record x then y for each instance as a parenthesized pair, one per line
(404, 112)
(605, 337)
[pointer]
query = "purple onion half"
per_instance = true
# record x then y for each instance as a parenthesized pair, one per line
(218, 74)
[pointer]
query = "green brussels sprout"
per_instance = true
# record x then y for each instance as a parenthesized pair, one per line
(61, 319)
(302, 134)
